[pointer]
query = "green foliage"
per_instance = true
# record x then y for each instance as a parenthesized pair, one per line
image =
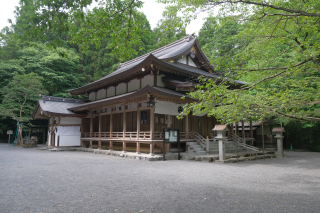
(280, 61)
(20, 96)
(57, 21)
(168, 30)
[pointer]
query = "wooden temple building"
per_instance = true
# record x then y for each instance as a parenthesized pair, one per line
(131, 105)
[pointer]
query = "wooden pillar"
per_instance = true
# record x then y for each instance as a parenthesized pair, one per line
(243, 135)
(187, 125)
(251, 132)
(138, 148)
(91, 128)
(262, 139)
(138, 120)
(167, 148)
(124, 123)
(151, 123)
(169, 121)
(99, 142)
(110, 146)
(151, 149)
(124, 147)
(236, 138)
(111, 122)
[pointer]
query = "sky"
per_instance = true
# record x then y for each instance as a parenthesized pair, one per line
(151, 8)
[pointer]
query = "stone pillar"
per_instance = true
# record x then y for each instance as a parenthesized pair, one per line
(279, 137)
(221, 136)
(207, 146)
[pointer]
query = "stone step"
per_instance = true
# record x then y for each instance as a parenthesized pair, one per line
(201, 152)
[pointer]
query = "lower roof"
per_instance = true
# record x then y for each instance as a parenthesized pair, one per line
(146, 89)
(55, 106)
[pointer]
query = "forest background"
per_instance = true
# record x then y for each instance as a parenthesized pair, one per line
(62, 51)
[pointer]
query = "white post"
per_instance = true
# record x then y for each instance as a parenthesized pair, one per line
(207, 146)
(222, 153)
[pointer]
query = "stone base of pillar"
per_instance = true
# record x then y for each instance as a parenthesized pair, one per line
(279, 155)
(138, 153)
(124, 151)
(110, 150)
(151, 154)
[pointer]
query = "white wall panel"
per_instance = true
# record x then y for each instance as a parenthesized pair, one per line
(134, 85)
(148, 79)
(110, 92)
(159, 81)
(183, 60)
(69, 140)
(101, 94)
(191, 63)
(121, 88)
(92, 96)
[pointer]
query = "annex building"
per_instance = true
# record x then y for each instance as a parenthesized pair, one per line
(128, 108)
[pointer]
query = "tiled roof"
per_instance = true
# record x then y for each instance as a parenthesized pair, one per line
(165, 52)
(147, 88)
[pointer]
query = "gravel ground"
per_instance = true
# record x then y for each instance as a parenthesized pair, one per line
(34, 180)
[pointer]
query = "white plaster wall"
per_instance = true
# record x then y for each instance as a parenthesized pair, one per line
(132, 106)
(159, 81)
(101, 94)
(148, 79)
(92, 96)
(121, 89)
(69, 140)
(50, 120)
(191, 63)
(117, 107)
(183, 60)
(70, 120)
(110, 92)
(134, 85)
(143, 104)
(55, 119)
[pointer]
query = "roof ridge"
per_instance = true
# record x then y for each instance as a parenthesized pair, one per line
(156, 51)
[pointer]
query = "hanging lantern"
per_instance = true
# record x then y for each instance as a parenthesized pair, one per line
(150, 104)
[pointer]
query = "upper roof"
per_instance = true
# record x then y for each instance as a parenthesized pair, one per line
(49, 105)
(175, 50)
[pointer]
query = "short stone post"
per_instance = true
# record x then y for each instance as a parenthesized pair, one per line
(207, 146)
(221, 135)
(279, 137)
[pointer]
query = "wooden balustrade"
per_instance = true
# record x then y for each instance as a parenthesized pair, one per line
(132, 135)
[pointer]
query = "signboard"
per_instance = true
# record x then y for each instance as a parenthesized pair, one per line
(171, 135)
(9, 132)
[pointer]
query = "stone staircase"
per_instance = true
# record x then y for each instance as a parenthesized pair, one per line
(198, 146)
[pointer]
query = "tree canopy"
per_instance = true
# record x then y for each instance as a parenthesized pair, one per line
(280, 61)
